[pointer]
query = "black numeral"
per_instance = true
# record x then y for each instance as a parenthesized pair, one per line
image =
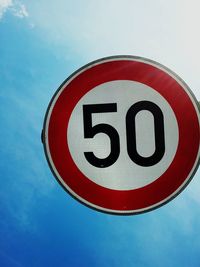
(158, 129)
(90, 131)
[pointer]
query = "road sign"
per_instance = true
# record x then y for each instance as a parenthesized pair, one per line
(122, 135)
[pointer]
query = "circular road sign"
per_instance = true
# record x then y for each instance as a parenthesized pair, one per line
(122, 135)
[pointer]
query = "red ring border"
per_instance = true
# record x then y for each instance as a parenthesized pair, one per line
(116, 201)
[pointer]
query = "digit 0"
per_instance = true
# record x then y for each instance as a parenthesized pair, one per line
(158, 129)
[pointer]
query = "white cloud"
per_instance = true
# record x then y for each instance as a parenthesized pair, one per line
(165, 31)
(4, 5)
(15, 7)
(19, 10)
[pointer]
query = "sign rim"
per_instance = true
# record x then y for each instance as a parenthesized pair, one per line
(56, 96)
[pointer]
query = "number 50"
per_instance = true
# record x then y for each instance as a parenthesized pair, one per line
(90, 131)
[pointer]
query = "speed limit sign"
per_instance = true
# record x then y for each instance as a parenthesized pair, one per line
(122, 135)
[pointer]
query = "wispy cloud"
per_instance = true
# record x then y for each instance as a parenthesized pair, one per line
(19, 10)
(15, 7)
(166, 31)
(4, 6)
(9, 259)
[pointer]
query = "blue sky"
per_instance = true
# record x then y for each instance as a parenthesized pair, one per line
(41, 44)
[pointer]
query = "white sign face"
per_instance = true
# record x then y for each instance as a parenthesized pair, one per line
(124, 173)
(122, 135)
